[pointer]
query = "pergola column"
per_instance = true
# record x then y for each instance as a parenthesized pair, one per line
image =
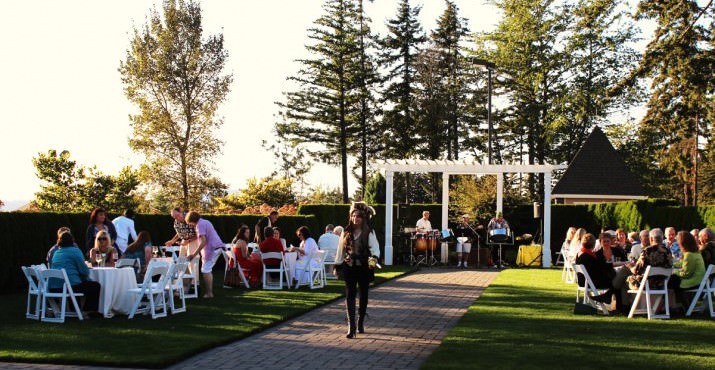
(500, 191)
(389, 176)
(546, 259)
(444, 251)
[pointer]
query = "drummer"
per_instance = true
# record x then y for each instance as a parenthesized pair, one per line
(498, 222)
(465, 233)
(423, 224)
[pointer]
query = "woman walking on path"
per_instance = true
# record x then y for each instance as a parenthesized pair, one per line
(358, 251)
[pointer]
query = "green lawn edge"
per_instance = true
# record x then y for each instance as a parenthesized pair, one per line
(142, 342)
(525, 320)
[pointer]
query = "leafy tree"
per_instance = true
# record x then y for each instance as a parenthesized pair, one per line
(272, 191)
(319, 195)
(706, 180)
(70, 188)
(62, 181)
(176, 79)
(399, 50)
(322, 111)
(375, 189)
(291, 160)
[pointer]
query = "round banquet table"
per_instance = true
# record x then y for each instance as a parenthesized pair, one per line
(114, 296)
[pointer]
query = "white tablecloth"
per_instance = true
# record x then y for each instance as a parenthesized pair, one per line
(290, 258)
(114, 296)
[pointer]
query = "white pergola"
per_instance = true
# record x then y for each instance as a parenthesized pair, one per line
(448, 167)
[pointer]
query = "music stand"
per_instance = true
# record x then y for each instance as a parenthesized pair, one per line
(500, 240)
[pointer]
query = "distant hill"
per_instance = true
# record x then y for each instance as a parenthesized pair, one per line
(13, 205)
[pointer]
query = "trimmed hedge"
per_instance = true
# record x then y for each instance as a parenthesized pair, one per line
(25, 238)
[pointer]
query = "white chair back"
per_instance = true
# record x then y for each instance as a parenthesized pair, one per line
(705, 290)
(33, 289)
(660, 294)
(280, 269)
(588, 287)
(67, 292)
(175, 283)
(230, 259)
(155, 292)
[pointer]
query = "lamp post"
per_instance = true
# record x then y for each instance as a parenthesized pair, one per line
(489, 66)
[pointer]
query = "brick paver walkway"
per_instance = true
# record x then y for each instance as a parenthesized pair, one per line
(408, 318)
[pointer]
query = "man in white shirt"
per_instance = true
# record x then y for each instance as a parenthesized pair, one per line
(329, 242)
(125, 228)
(423, 224)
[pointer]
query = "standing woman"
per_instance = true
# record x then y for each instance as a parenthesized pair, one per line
(98, 222)
(357, 245)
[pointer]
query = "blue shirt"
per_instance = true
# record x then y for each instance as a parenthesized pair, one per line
(72, 260)
(675, 249)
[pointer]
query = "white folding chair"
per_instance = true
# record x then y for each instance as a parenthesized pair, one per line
(567, 274)
(559, 258)
(228, 257)
(281, 270)
(588, 287)
(67, 292)
(312, 272)
(175, 283)
(705, 290)
(661, 294)
(154, 292)
(33, 289)
(192, 275)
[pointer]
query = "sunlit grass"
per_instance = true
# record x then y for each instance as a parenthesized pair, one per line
(143, 342)
(525, 320)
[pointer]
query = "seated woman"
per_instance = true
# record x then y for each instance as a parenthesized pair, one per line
(598, 269)
(69, 257)
(249, 262)
(140, 249)
(103, 254)
(692, 267)
(308, 245)
(608, 252)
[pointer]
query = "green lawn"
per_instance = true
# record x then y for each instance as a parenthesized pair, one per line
(143, 342)
(524, 320)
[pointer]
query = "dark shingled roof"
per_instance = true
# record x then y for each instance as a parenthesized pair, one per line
(597, 169)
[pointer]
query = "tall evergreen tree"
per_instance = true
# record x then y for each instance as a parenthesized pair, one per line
(682, 73)
(400, 48)
(532, 69)
(322, 110)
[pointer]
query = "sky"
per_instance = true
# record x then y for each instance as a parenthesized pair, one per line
(60, 87)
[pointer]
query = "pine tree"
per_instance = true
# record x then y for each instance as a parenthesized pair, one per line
(400, 48)
(324, 109)
(681, 69)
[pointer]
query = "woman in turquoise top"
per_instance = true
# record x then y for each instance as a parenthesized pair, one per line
(70, 258)
(692, 267)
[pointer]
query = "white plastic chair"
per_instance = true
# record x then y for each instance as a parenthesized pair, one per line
(33, 289)
(175, 284)
(567, 274)
(229, 256)
(659, 294)
(588, 287)
(281, 270)
(154, 292)
(705, 290)
(67, 292)
(312, 272)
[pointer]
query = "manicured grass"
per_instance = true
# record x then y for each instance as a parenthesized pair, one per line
(524, 320)
(143, 342)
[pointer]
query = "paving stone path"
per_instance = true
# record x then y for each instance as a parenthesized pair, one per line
(407, 320)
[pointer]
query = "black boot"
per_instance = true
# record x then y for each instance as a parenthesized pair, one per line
(351, 322)
(360, 324)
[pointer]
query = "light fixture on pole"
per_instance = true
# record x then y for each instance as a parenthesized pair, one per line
(489, 66)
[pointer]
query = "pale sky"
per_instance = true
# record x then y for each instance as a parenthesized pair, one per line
(60, 88)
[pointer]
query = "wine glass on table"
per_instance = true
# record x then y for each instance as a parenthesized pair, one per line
(99, 257)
